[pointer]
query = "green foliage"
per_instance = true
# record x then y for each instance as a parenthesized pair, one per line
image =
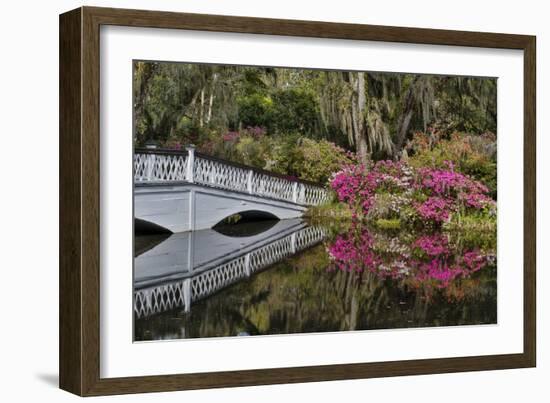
(292, 155)
(280, 111)
(393, 223)
(467, 104)
(472, 155)
(256, 110)
(232, 219)
(481, 222)
(332, 210)
(310, 159)
(295, 110)
(182, 103)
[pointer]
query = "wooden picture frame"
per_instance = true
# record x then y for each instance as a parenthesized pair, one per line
(79, 279)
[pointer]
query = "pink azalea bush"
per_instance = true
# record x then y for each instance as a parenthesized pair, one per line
(437, 209)
(433, 194)
(356, 185)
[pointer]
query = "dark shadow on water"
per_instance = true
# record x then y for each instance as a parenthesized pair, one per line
(142, 227)
(143, 243)
(247, 226)
(49, 379)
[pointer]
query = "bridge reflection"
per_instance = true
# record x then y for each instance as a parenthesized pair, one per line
(174, 271)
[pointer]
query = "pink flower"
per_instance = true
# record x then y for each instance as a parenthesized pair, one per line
(435, 208)
(230, 136)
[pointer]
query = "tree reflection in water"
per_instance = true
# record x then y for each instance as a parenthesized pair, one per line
(358, 279)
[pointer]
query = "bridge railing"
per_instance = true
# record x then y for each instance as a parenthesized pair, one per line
(151, 165)
(180, 294)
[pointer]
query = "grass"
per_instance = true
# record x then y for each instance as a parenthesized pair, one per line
(471, 222)
(388, 223)
(333, 210)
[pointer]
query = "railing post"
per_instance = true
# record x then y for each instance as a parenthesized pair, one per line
(150, 166)
(247, 268)
(293, 242)
(213, 174)
(186, 290)
(189, 174)
(249, 181)
(295, 192)
(148, 298)
(302, 196)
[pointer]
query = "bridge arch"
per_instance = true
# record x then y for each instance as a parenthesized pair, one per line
(188, 206)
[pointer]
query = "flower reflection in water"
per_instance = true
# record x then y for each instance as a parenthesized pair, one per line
(419, 260)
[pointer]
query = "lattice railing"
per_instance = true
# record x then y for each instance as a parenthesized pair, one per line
(153, 300)
(160, 166)
(181, 294)
(218, 174)
(157, 167)
(274, 187)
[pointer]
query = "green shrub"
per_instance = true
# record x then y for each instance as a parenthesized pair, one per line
(291, 154)
(473, 155)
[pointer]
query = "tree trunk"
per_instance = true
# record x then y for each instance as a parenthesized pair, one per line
(209, 114)
(358, 113)
(211, 98)
(405, 119)
(201, 111)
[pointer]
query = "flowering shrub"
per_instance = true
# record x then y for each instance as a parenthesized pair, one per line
(390, 189)
(473, 155)
(436, 209)
(427, 259)
(358, 185)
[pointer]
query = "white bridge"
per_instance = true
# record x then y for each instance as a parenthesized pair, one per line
(190, 266)
(187, 191)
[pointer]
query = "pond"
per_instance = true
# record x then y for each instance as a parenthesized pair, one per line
(294, 276)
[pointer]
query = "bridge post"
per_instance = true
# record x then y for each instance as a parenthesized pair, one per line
(249, 181)
(189, 173)
(295, 192)
(302, 196)
(186, 290)
(150, 167)
(247, 267)
(148, 300)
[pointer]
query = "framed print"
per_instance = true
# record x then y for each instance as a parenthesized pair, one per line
(249, 201)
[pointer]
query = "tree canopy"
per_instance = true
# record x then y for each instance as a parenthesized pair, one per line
(374, 114)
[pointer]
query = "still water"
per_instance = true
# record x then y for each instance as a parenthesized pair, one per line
(292, 276)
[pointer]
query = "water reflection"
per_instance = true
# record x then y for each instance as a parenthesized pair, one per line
(294, 277)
